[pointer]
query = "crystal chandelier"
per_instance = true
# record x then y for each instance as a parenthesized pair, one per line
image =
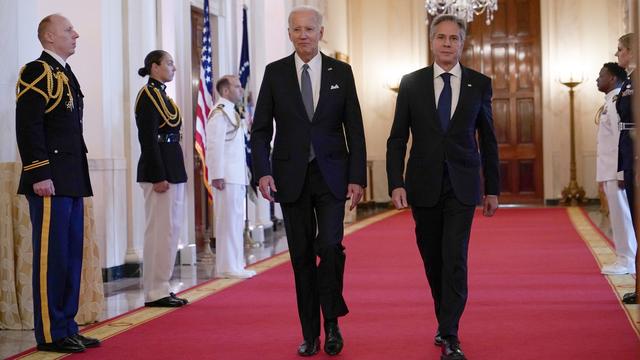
(464, 9)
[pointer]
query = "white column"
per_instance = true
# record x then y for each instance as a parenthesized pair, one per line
(19, 19)
(140, 38)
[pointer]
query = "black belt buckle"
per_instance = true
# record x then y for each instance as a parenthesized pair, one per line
(169, 138)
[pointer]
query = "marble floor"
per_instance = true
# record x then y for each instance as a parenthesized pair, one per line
(124, 295)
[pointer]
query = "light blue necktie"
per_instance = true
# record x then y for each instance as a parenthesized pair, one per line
(307, 99)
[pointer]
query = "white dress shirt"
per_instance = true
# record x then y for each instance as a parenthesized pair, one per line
(56, 56)
(607, 141)
(315, 73)
(455, 80)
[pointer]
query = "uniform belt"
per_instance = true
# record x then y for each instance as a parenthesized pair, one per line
(169, 138)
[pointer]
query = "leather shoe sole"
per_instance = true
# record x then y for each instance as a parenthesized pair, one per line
(86, 341)
(309, 347)
(166, 301)
(65, 345)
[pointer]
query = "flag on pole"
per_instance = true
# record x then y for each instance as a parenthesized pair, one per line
(244, 73)
(205, 98)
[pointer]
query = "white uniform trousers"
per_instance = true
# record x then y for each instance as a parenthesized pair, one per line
(163, 224)
(228, 207)
(624, 238)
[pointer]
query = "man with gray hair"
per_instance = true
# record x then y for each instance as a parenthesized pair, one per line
(318, 162)
(444, 106)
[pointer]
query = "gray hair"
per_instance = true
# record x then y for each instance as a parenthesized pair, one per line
(307, 8)
(462, 25)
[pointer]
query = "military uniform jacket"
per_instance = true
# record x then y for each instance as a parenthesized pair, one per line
(49, 129)
(607, 140)
(226, 153)
(159, 121)
(625, 145)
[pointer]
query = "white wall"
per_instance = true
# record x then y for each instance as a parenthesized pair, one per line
(581, 46)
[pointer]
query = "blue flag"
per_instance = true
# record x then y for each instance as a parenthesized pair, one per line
(244, 72)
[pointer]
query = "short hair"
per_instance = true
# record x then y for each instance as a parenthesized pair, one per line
(627, 40)
(154, 57)
(43, 26)
(303, 8)
(224, 82)
(462, 25)
(616, 70)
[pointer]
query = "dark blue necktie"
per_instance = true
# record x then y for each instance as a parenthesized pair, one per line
(307, 99)
(444, 102)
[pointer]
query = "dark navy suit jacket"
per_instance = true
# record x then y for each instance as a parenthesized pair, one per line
(336, 130)
(625, 144)
(432, 147)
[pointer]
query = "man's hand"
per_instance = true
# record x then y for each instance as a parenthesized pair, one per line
(161, 186)
(490, 205)
(266, 185)
(218, 184)
(354, 192)
(399, 198)
(44, 188)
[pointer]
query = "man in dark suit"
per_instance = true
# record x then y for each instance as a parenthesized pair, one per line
(55, 178)
(442, 181)
(319, 161)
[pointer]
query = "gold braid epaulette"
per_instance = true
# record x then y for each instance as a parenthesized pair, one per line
(171, 119)
(56, 95)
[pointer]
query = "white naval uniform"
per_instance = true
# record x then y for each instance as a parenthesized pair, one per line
(624, 237)
(226, 159)
(163, 224)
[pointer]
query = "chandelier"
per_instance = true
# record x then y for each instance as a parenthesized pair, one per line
(463, 9)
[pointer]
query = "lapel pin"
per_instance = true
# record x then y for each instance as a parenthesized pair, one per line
(469, 85)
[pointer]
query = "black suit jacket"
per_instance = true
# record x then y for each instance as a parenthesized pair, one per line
(625, 142)
(432, 147)
(49, 129)
(159, 161)
(336, 130)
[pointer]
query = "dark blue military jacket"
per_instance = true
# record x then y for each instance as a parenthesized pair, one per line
(159, 121)
(49, 129)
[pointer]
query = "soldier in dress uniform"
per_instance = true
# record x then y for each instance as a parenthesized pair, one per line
(626, 158)
(55, 178)
(162, 176)
(227, 169)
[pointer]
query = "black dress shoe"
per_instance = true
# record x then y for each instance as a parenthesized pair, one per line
(86, 341)
(437, 340)
(451, 350)
(166, 301)
(309, 347)
(630, 298)
(183, 300)
(333, 342)
(64, 345)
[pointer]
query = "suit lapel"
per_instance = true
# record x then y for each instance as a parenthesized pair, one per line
(327, 70)
(465, 87)
(292, 79)
(430, 99)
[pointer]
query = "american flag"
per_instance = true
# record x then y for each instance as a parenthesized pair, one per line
(244, 73)
(205, 98)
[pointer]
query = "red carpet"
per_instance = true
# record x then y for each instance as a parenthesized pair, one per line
(535, 293)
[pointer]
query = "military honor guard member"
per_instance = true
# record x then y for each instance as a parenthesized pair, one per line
(55, 179)
(626, 151)
(162, 176)
(609, 179)
(228, 176)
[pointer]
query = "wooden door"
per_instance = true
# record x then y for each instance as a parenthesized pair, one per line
(508, 51)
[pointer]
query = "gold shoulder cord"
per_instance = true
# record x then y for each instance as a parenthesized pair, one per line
(171, 119)
(61, 81)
